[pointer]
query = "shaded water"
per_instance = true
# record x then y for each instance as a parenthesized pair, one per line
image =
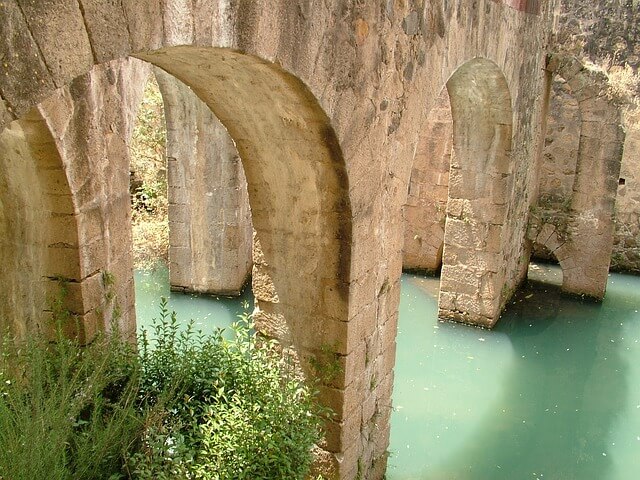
(207, 312)
(553, 392)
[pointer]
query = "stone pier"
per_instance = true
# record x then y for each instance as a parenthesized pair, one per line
(209, 216)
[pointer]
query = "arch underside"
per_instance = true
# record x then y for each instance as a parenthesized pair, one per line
(296, 181)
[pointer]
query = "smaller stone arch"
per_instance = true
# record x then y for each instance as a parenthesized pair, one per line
(39, 243)
(583, 239)
(480, 190)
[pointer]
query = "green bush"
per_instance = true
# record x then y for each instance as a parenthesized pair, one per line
(181, 406)
(66, 411)
(236, 408)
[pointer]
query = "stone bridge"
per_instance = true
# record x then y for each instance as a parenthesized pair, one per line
(328, 107)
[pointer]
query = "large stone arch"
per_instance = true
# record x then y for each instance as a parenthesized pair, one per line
(580, 234)
(480, 191)
(299, 197)
(298, 193)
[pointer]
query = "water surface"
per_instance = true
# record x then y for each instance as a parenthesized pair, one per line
(553, 392)
(207, 312)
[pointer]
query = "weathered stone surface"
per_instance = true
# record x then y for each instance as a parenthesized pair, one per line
(107, 28)
(54, 23)
(209, 215)
(144, 20)
(6, 115)
(24, 78)
(582, 159)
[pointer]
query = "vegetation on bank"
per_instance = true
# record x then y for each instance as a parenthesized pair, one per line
(182, 405)
(149, 218)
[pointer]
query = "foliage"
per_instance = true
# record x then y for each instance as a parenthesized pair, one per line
(149, 180)
(67, 411)
(237, 409)
(182, 406)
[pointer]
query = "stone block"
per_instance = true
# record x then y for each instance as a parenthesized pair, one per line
(93, 257)
(178, 22)
(58, 28)
(63, 230)
(459, 279)
(545, 233)
(90, 224)
(80, 297)
(179, 213)
(600, 131)
(469, 184)
(347, 466)
(342, 402)
(63, 261)
(60, 204)
(466, 234)
(144, 19)
(493, 243)
(334, 300)
(599, 109)
(339, 435)
(107, 29)
(24, 77)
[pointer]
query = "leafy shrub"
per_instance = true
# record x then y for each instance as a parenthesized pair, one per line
(236, 408)
(184, 406)
(67, 411)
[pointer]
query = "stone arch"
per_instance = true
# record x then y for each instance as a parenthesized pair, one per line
(581, 233)
(297, 185)
(480, 191)
(424, 212)
(299, 196)
(298, 193)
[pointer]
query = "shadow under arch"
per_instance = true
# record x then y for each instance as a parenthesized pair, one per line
(477, 279)
(38, 228)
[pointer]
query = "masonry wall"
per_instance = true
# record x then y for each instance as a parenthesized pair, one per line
(608, 36)
(326, 111)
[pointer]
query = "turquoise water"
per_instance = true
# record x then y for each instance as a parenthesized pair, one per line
(553, 392)
(207, 312)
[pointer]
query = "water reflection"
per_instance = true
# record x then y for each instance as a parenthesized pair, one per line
(549, 394)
